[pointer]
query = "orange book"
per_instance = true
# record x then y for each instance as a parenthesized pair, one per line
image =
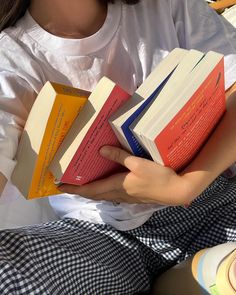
(51, 116)
(77, 160)
(182, 116)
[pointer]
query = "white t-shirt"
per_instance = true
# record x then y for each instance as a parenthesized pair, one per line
(133, 39)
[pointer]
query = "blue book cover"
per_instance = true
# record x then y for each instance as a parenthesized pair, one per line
(135, 146)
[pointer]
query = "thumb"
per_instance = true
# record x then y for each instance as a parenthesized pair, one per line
(117, 155)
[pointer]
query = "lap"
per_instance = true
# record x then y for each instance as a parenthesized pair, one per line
(76, 257)
(71, 257)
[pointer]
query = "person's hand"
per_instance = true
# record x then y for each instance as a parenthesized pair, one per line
(145, 182)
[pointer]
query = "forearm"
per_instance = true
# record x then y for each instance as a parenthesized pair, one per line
(217, 155)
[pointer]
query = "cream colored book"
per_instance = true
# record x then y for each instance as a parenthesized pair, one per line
(222, 281)
(182, 116)
(142, 98)
(164, 99)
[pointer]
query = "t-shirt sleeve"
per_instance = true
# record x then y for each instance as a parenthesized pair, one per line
(16, 98)
(199, 26)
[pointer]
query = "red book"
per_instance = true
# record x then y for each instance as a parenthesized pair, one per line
(77, 160)
(183, 115)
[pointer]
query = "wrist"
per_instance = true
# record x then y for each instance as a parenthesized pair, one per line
(179, 191)
(187, 192)
(195, 183)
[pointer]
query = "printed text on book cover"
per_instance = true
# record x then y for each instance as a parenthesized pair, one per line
(181, 139)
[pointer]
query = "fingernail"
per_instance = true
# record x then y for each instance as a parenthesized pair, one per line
(104, 151)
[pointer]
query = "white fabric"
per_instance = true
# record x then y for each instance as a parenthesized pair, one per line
(18, 212)
(230, 15)
(133, 39)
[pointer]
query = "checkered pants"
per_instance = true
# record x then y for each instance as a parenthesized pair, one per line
(73, 257)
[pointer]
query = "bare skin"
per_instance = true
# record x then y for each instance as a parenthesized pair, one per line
(80, 18)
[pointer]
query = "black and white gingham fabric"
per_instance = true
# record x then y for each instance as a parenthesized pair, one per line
(71, 257)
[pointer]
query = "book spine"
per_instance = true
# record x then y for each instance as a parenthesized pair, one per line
(87, 164)
(136, 147)
(134, 144)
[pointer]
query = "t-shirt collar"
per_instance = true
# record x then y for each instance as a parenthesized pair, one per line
(77, 47)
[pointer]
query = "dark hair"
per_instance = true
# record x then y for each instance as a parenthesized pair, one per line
(12, 10)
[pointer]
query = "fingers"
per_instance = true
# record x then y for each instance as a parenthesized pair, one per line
(112, 196)
(120, 156)
(109, 184)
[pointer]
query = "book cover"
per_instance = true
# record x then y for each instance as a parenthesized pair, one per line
(147, 118)
(222, 280)
(141, 99)
(78, 161)
(181, 118)
(214, 256)
(189, 128)
(51, 116)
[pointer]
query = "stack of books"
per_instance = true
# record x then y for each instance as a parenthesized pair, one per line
(167, 119)
(211, 271)
(215, 269)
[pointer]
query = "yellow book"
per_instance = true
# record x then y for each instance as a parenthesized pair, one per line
(222, 277)
(51, 116)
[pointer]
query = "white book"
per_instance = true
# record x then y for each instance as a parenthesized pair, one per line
(179, 120)
(123, 118)
(144, 122)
